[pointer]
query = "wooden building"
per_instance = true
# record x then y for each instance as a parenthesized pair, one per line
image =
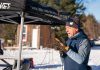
(36, 36)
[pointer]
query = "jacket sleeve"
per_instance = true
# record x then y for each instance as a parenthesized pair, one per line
(84, 50)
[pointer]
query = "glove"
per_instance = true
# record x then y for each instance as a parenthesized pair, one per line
(63, 54)
(61, 46)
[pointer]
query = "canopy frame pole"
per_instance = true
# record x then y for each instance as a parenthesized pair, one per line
(20, 41)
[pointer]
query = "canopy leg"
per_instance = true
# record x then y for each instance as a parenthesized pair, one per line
(20, 41)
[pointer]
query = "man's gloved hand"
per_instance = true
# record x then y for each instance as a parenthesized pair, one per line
(64, 48)
(61, 46)
(63, 54)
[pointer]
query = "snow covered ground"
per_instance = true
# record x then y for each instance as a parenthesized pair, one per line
(94, 60)
(48, 59)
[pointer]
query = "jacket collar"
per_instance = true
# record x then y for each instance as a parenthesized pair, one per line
(79, 35)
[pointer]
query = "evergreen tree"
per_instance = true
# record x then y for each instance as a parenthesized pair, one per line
(72, 7)
(8, 31)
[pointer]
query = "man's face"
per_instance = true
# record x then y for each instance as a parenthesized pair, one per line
(71, 31)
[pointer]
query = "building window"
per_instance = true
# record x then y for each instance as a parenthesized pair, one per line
(24, 38)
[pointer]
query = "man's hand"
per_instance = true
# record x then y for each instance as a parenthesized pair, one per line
(62, 47)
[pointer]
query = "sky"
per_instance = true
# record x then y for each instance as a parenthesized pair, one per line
(93, 7)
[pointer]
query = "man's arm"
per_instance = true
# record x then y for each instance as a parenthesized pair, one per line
(84, 50)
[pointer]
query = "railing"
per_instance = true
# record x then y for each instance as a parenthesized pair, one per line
(16, 48)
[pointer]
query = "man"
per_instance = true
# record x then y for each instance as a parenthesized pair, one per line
(75, 54)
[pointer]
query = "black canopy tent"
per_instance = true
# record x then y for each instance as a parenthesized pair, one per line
(27, 12)
(35, 18)
(10, 11)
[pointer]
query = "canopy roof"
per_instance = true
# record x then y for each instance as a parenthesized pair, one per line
(10, 12)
